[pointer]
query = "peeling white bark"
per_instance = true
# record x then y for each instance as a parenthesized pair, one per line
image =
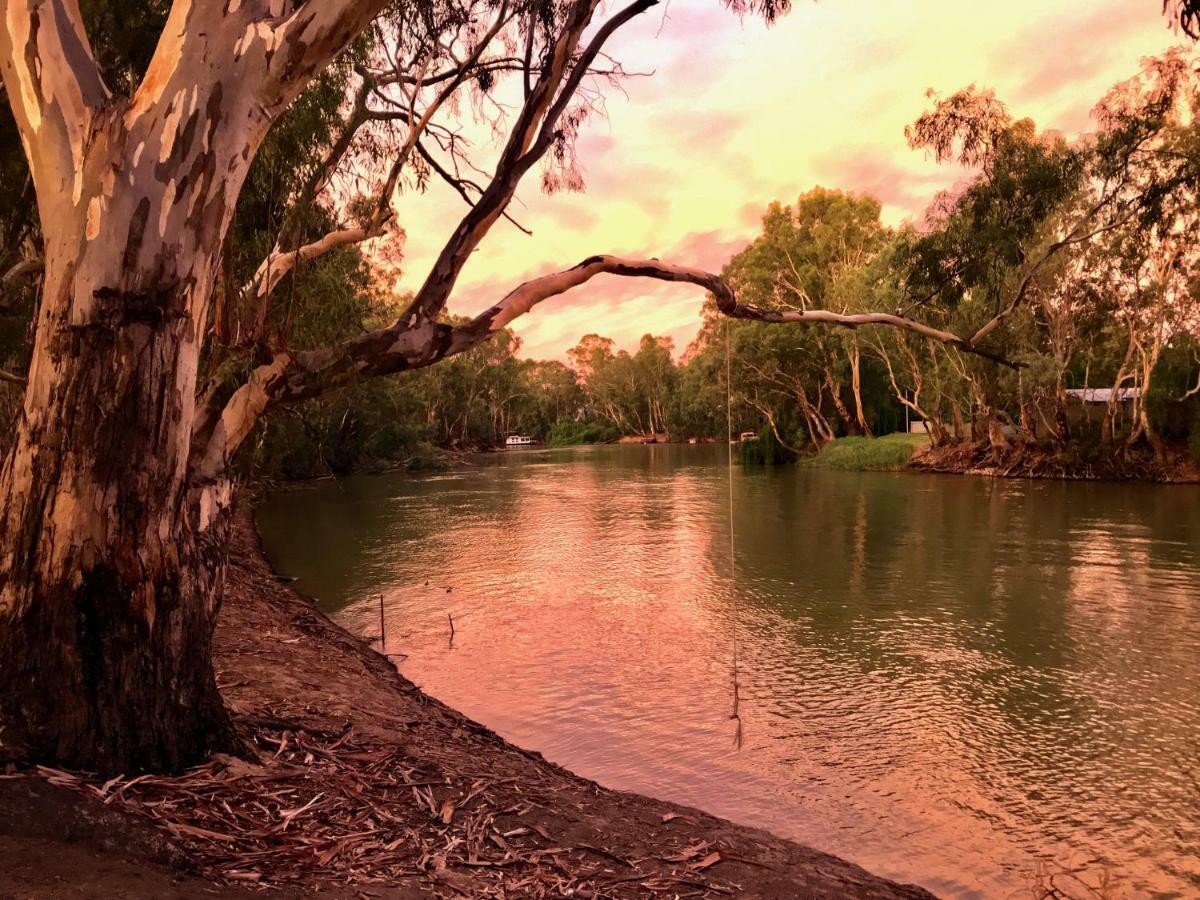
(279, 263)
(55, 91)
(109, 555)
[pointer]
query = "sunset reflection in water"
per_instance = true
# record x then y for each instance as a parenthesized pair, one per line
(952, 681)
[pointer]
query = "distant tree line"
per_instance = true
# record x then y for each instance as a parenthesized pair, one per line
(1074, 261)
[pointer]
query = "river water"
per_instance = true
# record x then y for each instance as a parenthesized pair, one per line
(966, 683)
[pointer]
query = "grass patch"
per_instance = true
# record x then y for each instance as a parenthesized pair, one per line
(863, 454)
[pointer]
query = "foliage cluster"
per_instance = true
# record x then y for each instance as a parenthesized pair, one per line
(1075, 258)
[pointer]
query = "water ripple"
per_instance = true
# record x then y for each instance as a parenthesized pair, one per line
(952, 681)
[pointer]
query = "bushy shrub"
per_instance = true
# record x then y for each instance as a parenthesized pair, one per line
(863, 454)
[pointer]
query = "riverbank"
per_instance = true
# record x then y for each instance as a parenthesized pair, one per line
(364, 786)
(1176, 467)
(912, 452)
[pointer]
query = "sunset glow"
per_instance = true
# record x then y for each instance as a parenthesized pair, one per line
(737, 114)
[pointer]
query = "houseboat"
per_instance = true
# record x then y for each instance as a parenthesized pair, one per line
(518, 440)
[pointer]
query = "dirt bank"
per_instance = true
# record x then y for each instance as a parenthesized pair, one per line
(362, 786)
(1031, 462)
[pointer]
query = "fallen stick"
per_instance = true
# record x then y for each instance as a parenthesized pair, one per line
(382, 628)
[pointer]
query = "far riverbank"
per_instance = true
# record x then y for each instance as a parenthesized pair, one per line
(911, 452)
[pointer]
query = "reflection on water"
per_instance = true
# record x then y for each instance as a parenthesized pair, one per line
(955, 681)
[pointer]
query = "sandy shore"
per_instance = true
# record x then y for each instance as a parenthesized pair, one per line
(360, 785)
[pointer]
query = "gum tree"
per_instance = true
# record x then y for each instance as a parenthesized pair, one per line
(149, 370)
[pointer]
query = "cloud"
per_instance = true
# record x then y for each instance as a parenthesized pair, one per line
(750, 215)
(698, 40)
(688, 129)
(1061, 54)
(575, 212)
(1060, 51)
(907, 187)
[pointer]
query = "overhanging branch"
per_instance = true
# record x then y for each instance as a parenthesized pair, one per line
(531, 293)
(26, 268)
(23, 269)
(292, 377)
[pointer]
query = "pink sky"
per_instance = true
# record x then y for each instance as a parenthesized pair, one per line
(737, 115)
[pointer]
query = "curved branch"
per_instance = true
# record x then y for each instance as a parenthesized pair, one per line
(24, 268)
(292, 377)
(10, 378)
(531, 293)
(54, 88)
(279, 263)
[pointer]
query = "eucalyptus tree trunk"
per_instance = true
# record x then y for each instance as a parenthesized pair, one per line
(109, 583)
(860, 416)
(835, 394)
(112, 549)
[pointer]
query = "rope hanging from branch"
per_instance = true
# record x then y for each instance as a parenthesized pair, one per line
(734, 712)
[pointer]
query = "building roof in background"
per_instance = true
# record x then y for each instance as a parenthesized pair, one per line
(1104, 395)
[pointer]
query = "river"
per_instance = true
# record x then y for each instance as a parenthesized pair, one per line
(967, 683)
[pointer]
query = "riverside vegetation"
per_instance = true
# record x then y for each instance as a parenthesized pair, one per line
(1079, 257)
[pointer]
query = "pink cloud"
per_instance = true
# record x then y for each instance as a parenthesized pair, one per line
(694, 44)
(750, 215)
(709, 250)
(1057, 56)
(574, 213)
(893, 184)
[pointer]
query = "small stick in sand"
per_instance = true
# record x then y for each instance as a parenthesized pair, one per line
(737, 697)
(382, 628)
(736, 686)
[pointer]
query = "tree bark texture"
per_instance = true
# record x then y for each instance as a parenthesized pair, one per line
(113, 556)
